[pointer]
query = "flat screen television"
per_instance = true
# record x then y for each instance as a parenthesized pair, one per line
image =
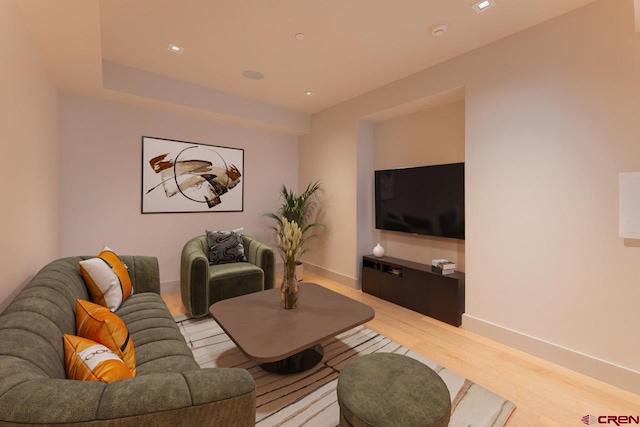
(425, 200)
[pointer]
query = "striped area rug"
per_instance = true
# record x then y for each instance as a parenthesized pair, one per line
(309, 398)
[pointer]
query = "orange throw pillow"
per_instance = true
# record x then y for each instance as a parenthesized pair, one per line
(107, 279)
(87, 360)
(98, 324)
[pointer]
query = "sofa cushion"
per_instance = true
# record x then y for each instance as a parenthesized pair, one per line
(87, 360)
(160, 347)
(107, 279)
(98, 324)
(226, 246)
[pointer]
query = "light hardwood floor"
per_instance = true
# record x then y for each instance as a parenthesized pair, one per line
(546, 395)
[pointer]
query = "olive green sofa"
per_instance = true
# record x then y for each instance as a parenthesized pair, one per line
(169, 388)
(202, 284)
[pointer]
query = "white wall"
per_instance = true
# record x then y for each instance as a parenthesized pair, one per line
(101, 180)
(428, 137)
(334, 163)
(365, 215)
(29, 126)
(551, 118)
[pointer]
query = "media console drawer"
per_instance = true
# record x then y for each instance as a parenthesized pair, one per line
(415, 286)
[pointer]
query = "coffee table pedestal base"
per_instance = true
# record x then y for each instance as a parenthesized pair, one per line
(298, 362)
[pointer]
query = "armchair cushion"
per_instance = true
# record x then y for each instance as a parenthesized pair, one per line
(230, 280)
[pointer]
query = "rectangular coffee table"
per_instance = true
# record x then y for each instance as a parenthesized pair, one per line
(288, 341)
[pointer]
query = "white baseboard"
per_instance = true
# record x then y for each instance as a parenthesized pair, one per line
(599, 369)
(332, 275)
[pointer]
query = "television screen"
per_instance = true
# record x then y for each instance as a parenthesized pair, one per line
(425, 200)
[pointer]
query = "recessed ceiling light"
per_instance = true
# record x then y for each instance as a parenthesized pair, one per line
(175, 48)
(483, 5)
(300, 36)
(308, 93)
(253, 74)
(439, 29)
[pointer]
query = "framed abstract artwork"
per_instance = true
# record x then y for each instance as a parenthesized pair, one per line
(179, 176)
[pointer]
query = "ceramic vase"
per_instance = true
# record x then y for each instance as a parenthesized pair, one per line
(378, 251)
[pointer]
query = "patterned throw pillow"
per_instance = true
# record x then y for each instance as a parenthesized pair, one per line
(107, 279)
(226, 246)
(86, 360)
(98, 324)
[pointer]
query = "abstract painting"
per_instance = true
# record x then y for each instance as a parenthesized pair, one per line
(180, 176)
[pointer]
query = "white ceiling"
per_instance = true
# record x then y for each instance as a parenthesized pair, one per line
(351, 46)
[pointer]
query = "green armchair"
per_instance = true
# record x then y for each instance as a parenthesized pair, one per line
(202, 284)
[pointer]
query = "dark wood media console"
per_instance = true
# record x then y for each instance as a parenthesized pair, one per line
(415, 286)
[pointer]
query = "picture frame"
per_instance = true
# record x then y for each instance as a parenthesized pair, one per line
(185, 177)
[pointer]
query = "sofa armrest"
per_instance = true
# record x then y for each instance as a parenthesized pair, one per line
(194, 276)
(263, 256)
(216, 396)
(144, 273)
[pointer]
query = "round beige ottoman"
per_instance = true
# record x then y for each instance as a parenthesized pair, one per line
(386, 389)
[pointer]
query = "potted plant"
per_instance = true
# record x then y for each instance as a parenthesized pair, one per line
(293, 231)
